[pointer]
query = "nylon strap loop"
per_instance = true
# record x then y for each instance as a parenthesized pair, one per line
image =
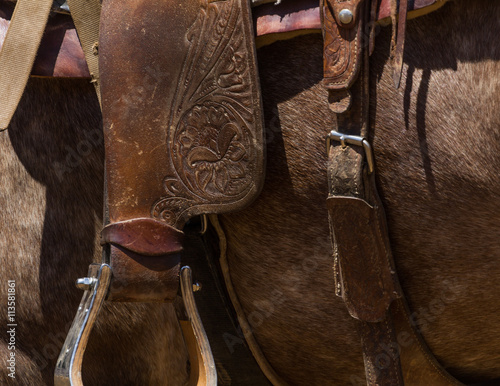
(18, 53)
(86, 15)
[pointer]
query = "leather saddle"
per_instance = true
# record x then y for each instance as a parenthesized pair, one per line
(183, 125)
(182, 122)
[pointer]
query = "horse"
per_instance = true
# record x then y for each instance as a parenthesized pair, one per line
(435, 146)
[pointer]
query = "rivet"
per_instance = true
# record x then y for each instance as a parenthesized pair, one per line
(196, 286)
(85, 283)
(346, 16)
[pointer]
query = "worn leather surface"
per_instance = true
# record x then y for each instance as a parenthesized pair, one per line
(181, 108)
(145, 256)
(380, 356)
(394, 353)
(142, 278)
(363, 268)
(182, 114)
(342, 43)
(366, 283)
(145, 236)
(303, 15)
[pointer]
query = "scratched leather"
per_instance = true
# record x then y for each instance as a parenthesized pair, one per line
(181, 109)
(182, 119)
(366, 282)
(343, 44)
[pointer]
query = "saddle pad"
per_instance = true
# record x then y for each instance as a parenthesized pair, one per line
(60, 54)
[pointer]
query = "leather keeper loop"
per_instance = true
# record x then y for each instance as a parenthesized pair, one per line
(343, 43)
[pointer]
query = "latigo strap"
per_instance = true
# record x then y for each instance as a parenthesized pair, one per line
(365, 277)
(364, 271)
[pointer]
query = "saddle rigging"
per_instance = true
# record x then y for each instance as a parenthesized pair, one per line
(190, 141)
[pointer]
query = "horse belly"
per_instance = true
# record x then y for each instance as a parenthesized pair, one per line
(437, 149)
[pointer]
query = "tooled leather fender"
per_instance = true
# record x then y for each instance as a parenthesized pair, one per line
(182, 118)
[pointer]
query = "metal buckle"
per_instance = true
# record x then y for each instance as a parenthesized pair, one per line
(69, 364)
(345, 139)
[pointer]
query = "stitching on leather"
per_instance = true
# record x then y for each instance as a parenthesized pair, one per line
(392, 370)
(358, 28)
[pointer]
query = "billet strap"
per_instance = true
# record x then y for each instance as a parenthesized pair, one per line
(18, 53)
(364, 271)
(363, 268)
(86, 16)
(365, 277)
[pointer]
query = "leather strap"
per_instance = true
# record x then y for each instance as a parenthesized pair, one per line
(18, 53)
(365, 275)
(398, 40)
(86, 16)
(343, 47)
(364, 271)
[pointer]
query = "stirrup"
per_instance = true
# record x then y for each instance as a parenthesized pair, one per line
(68, 370)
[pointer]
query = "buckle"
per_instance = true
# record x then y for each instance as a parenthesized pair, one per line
(345, 140)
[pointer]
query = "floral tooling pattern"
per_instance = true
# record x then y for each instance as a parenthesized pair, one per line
(211, 145)
(215, 135)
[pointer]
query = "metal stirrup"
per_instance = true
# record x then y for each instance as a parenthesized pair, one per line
(69, 364)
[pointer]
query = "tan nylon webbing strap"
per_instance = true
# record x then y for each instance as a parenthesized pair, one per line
(86, 15)
(18, 53)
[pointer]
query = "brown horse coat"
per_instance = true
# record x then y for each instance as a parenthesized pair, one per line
(436, 144)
